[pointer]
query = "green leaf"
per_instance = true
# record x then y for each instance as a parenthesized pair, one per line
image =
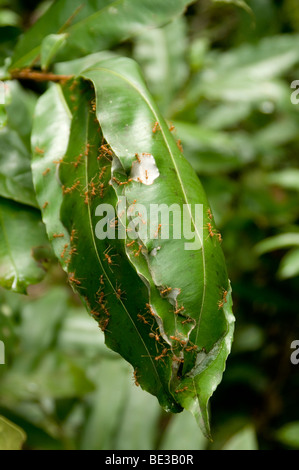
(245, 439)
(247, 74)
(288, 179)
(289, 434)
(140, 292)
(92, 26)
(12, 437)
(289, 266)
(182, 434)
(50, 47)
(9, 18)
(21, 234)
(278, 242)
(15, 150)
(212, 151)
(238, 3)
(162, 56)
(15, 170)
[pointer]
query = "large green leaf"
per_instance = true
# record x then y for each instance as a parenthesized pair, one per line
(94, 25)
(23, 245)
(173, 304)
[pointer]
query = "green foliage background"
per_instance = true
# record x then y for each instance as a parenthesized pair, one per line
(222, 76)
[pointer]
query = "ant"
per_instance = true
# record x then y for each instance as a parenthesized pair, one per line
(162, 356)
(108, 258)
(142, 318)
(135, 378)
(156, 127)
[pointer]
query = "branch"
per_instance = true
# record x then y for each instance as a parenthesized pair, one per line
(28, 74)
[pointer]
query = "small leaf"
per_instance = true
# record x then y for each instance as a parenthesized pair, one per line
(49, 48)
(245, 439)
(289, 266)
(289, 434)
(15, 170)
(277, 242)
(21, 230)
(12, 437)
(238, 3)
(288, 179)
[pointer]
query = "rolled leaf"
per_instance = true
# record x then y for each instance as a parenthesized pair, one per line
(162, 297)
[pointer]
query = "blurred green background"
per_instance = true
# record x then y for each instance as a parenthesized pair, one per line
(222, 76)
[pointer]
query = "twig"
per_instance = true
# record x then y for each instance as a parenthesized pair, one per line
(28, 74)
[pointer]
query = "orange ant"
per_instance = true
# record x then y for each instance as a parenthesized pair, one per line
(212, 233)
(137, 158)
(131, 243)
(73, 280)
(156, 127)
(191, 348)
(105, 148)
(93, 189)
(179, 310)
(103, 170)
(180, 360)
(72, 188)
(122, 183)
(58, 235)
(223, 300)
(73, 251)
(172, 128)
(139, 250)
(135, 378)
(73, 235)
(188, 320)
(93, 105)
(86, 200)
(87, 149)
(73, 85)
(184, 389)
(46, 171)
(102, 282)
(155, 335)
(162, 356)
(114, 222)
(158, 230)
(78, 160)
(119, 293)
(179, 144)
(45, 205)
(166, 291)
(39, 151)
(103, 323)
(58, 162)
(95, 313)
(210, 215)
(108, 258)
(142, 318)
(179, 340)
(148, 306)
(64, 250)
